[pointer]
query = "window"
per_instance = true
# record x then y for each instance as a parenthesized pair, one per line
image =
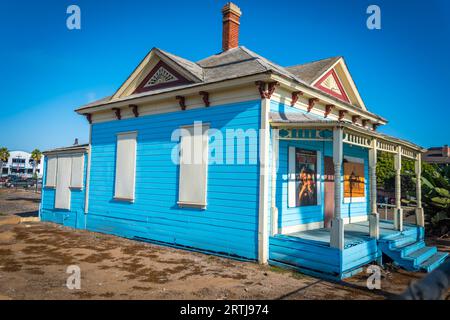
(77, 171)
(354, 183)
(193, 166)
(125, 166)
(64, 171)
(304, 175)
(50, 181)
(62, 193)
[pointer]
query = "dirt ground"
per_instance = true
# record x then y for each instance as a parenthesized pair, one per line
(34, 257)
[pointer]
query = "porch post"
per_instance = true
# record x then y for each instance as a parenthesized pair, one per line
(420, 218)
(264, 138)
(274, 164)
(398, 214)
(337, 224)
(374, 218)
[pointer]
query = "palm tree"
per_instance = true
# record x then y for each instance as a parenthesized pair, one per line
(36, 155)
(4, 155)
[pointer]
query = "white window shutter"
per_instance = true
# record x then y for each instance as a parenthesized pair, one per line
(193, 166)
(50, 180)
(291, 178)
(76, 180)
(125, 166)
(62, 194)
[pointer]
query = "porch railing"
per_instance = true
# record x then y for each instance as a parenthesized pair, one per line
(385, 212)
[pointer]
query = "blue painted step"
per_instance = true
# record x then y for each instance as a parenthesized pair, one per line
(408, 250)
(434, 261)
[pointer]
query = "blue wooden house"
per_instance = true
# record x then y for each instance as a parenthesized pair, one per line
(237, 156)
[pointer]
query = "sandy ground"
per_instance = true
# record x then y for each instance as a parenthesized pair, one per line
(34, 257)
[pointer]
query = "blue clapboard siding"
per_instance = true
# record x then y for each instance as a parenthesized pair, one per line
(305, 254)
(71, 218)
(318, 258)
(228, 226)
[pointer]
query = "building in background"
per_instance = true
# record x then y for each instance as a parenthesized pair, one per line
(437, 155)
(20, 164)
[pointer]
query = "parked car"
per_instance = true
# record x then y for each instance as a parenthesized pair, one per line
(16, 182)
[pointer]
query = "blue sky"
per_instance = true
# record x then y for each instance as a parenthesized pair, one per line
(402, 71)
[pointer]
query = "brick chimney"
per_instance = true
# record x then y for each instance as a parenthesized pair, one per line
(230, 33)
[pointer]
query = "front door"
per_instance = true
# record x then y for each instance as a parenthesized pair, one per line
(329, 191)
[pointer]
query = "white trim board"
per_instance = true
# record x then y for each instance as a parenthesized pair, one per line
(355, 200)
(348, 220)
(318, 225)
(301, 227)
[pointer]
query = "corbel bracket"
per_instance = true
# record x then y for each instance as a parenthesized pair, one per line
(205, 97)
(117, 112)
(355, 118)
(342, 114)
(135, 110)
(295, 96)
(266, 94)
(311, 103)
(328, 109)
(182, 102)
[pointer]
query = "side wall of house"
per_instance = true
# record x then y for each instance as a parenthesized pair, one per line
(229, 224)
(74, 217)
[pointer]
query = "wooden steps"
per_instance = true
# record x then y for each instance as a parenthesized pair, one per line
(408, 250)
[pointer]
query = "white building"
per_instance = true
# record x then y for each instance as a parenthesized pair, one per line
(20, 163)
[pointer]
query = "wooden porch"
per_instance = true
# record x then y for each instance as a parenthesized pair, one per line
(310, 251)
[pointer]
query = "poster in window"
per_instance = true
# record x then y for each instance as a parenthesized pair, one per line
(354, 186)
(305, 177)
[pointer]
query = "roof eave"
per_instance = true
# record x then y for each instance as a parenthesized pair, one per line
(191, 89)
(324, 96)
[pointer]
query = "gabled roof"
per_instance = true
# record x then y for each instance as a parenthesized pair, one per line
(231, 64)
(73, 148)
(190, 66)
(309, 72)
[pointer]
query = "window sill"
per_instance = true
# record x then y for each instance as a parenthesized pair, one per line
(355, 200)
(123, 199)
(201, 206)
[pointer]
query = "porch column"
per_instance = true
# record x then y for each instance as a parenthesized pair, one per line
(398, 214)
(420, 218)
(264, 139)
(374, 218)
(274, 167)
(337, 224)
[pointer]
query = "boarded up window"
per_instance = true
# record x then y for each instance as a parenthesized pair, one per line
(193, 166)
(50, 180)
(354, 186)
(125, 166)
(62, 194)
(77, 171)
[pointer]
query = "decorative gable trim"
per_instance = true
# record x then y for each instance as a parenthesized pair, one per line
(161, 76)
(331, 84)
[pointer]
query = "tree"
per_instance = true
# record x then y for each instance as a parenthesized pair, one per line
(386, 174)
(36, 155)
(4, 155)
